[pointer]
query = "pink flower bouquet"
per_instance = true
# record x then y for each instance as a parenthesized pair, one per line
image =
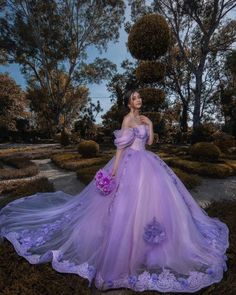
(104, 182)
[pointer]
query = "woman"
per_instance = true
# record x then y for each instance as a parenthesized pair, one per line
(148, 234)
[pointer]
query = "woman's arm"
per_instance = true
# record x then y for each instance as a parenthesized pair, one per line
(151, 134)
(119, 152)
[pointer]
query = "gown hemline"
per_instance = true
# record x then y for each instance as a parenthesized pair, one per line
(146, 281)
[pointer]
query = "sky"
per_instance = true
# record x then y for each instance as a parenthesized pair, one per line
(116, 52)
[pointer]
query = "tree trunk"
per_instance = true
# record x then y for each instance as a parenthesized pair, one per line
(184, 118)
(197, 102)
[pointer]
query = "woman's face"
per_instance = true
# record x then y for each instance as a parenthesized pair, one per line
(135, 100)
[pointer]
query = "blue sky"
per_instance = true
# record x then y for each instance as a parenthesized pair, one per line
(116, 52)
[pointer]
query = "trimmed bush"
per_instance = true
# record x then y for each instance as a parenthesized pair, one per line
(214, 170)
(21, 167)
(25, 189)
(224, 141)
(74, 162)
(204, 151)
(150, 71)
(155, 117)
(149, 37)
(88, 148)
(151, 95)
(203, 132)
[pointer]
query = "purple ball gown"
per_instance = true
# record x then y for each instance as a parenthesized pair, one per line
(148, 234)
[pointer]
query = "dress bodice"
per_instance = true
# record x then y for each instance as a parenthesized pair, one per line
(134, 137)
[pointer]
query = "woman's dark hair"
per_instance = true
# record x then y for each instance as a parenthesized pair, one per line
(127, 96)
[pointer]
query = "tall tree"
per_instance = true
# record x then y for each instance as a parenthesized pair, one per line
(202, 30)
(12, 102)
(50, 37)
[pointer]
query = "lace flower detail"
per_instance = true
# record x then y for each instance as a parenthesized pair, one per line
(154, 232)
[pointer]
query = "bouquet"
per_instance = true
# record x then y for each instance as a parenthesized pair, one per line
(104, 182)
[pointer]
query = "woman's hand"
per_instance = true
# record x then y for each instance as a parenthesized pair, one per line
(113, 173)
(145, 120)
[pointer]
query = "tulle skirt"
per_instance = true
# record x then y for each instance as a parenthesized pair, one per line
(148, 234)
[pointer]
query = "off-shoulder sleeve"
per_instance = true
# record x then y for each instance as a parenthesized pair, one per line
(123, 137)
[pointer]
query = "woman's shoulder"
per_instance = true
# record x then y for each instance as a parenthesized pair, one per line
(126, 123)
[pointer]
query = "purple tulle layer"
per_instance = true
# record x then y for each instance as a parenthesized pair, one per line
(150, 234)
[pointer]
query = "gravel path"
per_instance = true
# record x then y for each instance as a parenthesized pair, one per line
(62, 179)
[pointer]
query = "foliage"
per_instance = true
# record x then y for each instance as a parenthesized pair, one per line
(203, 132)
(202, 33)
(227, 91)
(149, 37)
(223, 140)
(12, 103)
(26, 188)
(150, 71)
(85, 126)
(118, 84)
(212, 170)
(49, 39)
(88, 148)
(54, 114)
(20, 168)
(73, 162)
(149, 95)
(204, 151)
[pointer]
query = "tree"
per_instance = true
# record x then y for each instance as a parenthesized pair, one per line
(206, 32)
(51, 37)
(201, 32)
(227, 94)
(86, 123)
(12, 103)
(69, 104)
(148, 41)
(118, 84)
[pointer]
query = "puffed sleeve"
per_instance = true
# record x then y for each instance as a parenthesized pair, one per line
(123, 137)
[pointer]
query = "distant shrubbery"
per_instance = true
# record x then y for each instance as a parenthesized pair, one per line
(88, 148)
(18, 168)
(204, 151)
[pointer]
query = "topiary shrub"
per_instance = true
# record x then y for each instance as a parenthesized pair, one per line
(20, 167)
(204, 151)
(88, 148)
(223, 140)
(203, 132)
(150, 71)
(150, 95)
(149, 37)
